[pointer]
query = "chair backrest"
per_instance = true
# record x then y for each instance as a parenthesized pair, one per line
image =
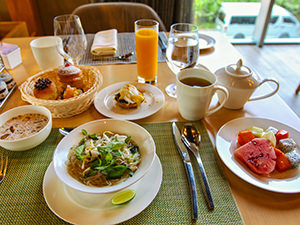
(120, 15)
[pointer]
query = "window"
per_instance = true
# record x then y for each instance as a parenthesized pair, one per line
(237, 19)
(243, 20)
(221, 16)
(288, 20)
(273, 19)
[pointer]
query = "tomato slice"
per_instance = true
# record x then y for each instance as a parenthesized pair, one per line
(281, 134)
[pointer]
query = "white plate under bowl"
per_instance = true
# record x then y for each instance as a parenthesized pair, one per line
(284, 182)
(64, 207)
(105, 104)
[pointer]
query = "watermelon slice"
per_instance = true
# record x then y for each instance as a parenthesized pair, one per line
(258, 155)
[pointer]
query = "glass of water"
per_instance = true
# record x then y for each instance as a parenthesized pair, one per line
(182, 50)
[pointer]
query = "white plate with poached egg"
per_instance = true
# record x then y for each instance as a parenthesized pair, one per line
(106, 104)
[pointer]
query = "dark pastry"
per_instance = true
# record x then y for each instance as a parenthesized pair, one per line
(45, 89)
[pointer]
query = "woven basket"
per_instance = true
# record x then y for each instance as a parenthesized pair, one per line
(92, 80)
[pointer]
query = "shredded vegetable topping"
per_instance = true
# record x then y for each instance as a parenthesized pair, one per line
(103, 160)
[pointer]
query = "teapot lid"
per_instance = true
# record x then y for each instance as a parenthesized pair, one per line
(238, 70)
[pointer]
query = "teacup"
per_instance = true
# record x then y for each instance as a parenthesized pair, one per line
(45, 51)
(195, 89)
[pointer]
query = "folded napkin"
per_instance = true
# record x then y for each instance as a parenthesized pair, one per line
(105, 43)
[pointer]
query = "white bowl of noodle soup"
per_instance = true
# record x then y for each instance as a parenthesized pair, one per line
(138, 134)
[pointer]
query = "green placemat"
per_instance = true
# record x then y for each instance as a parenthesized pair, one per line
(22, 199)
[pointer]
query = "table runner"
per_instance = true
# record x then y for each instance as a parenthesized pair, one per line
(22, 199)
(126, 44)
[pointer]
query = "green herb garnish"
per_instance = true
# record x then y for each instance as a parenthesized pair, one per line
(79, 151)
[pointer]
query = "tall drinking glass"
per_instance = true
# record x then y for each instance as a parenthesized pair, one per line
(146, 43)
(69, 29)
(182, 50)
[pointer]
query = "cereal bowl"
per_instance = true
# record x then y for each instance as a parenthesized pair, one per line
(30, 141)
(138, 134)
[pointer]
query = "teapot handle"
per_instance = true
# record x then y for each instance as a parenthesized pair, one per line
(269, 94)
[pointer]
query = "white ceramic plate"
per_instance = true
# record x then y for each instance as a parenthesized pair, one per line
(285, 182)
(206, 41)
(67, 209)
(106, 105)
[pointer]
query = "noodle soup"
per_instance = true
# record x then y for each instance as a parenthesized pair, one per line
(103, 160)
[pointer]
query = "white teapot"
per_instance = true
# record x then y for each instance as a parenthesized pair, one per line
(240, 83)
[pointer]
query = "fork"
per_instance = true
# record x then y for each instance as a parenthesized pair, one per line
(3, 166)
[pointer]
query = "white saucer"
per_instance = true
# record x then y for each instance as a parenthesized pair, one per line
(206, 41)
(105, 104)
(64, 207)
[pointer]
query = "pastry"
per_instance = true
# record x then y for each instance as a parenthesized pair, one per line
(70, 75)
(70, 92)
(129, 97)
(45, 89)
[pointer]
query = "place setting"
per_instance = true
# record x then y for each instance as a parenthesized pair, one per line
(136, 100)
(95, 202)
(111, 47)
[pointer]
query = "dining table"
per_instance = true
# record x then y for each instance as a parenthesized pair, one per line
(255, 205)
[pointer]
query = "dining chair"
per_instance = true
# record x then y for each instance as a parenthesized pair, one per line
(120, 15)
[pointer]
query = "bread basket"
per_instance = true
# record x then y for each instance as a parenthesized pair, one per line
(63, 108)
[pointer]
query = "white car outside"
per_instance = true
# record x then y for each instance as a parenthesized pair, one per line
(237, 20)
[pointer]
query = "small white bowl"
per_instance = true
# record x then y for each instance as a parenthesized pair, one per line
(26, 143)
(138, 134)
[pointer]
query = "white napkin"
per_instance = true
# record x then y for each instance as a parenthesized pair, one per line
(105, 43)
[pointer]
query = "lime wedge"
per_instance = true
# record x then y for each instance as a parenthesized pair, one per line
(123, 197)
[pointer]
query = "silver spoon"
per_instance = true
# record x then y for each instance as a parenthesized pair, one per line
(65, 130)
(191, 137)
(121, 57)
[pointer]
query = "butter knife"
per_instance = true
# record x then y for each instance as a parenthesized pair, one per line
(188, 168)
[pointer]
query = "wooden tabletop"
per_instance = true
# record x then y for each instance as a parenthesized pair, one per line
(257, 206)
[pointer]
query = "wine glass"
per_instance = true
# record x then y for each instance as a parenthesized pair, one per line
(182, 50)
(69, 29)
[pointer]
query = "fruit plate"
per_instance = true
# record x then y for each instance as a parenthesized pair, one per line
(284, 182)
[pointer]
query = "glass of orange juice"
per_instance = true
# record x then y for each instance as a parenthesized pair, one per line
(146, 43)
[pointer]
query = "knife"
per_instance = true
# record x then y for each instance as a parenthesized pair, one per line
(188, 168)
